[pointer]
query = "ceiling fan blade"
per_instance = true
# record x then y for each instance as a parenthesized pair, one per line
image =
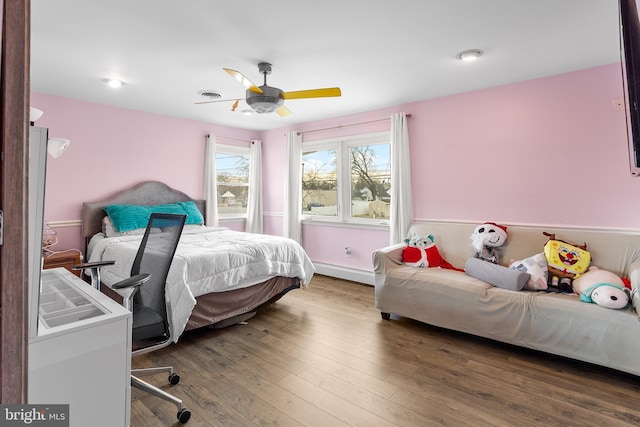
(243, 80)
(313, 93)
(283, 111)
(218, 100)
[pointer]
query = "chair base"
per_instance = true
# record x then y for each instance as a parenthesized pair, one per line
(143, 372)
(183, 413)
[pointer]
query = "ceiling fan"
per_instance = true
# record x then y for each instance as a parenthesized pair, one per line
(267, 99)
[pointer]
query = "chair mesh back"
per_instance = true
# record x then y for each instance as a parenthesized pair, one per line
(154, 257)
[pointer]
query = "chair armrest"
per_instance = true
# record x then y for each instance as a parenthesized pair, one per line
(94, 270)
(132, 281)
(128, 287)
(95, 264)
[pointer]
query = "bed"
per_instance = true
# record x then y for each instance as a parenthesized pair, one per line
(218, 276)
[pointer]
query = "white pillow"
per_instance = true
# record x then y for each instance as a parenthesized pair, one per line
(194, 227)
(109, 230)
(537, 267)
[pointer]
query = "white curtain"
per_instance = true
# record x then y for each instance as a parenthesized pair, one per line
(210, 195)
(292, 227)
(401, 214)
(254, 204)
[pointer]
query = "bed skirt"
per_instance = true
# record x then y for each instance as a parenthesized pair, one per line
(216, 307)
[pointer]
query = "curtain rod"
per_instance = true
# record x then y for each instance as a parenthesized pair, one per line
(351, 124)
(229, 138)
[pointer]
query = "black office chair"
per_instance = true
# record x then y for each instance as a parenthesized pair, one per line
(146, 298)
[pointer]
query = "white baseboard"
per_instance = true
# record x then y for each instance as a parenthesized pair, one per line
(354, 275)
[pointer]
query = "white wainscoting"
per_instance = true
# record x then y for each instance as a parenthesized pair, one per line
(65, 223)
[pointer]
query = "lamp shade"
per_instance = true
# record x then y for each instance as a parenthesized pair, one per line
(34, 114)
(57, 146)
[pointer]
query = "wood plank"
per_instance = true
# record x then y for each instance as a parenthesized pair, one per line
(371, 401)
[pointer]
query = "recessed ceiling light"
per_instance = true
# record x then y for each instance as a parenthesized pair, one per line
(114, 83)
(247, 112)
(469, 55)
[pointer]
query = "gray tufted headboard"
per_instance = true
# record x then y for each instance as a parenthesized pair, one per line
(144, 193)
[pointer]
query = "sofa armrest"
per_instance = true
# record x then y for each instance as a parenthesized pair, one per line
(634, 278)
(634, 274)
(385, 259)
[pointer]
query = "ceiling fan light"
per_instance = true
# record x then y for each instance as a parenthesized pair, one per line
(469, 55)
(264, 107)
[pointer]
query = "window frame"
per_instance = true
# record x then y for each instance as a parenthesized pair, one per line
(232, 150)
(342, 146)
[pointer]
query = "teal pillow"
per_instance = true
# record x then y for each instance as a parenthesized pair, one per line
(131, 217)
(194, 216)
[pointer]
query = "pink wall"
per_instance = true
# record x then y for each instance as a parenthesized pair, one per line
(113, 148)
(536, 152)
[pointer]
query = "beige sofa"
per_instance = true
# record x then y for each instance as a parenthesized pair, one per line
(555, 323)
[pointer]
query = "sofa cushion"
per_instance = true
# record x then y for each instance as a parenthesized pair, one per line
(411, 277)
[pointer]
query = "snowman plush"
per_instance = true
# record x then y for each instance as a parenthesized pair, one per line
(486, 240)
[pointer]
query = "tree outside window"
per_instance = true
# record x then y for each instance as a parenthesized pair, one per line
(319, 183)
(347, 180)
(370, 181)
(232, 178)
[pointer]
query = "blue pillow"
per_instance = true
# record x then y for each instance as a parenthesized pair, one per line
(194, 216)
(131, 217)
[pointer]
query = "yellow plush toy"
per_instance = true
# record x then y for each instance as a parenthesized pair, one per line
(565, 263)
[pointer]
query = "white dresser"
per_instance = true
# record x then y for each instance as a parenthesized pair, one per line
(81, 353)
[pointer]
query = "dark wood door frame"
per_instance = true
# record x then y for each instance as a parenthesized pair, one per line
(14, 91)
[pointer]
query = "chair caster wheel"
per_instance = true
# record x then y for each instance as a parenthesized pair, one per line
(174, 379)
(183, 415)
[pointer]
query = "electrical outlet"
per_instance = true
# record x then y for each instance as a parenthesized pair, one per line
(347, 251)
(618, 104)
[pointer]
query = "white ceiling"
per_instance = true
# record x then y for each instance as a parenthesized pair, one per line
(380, 53)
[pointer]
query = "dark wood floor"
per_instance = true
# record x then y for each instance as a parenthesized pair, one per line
(324, 357)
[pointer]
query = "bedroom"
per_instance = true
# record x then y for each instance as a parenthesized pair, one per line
(559, 120)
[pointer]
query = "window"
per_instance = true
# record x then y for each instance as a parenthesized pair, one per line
(232, 178)
(348, 179)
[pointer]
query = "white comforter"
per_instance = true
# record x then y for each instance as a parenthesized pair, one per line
(207, 260)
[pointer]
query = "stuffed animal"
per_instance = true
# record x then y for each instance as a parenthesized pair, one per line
(486, 239)
(565, 262)
(421, 251)
(602, 287)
